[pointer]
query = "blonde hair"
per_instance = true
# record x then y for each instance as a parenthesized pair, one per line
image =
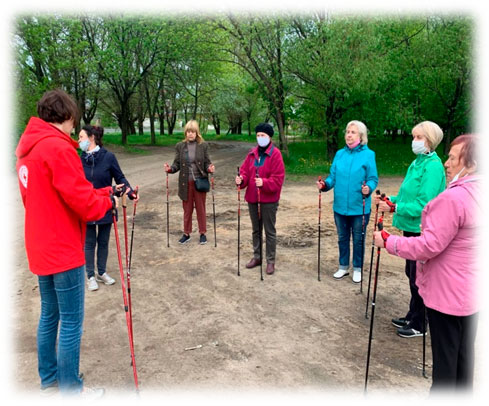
(193, 126)
(362, 130)
(431, 131)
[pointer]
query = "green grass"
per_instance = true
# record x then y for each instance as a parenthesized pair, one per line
(392, 158)
(305, 158)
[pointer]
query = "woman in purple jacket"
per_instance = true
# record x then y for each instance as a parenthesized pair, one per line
(262, 174)
(447, 271)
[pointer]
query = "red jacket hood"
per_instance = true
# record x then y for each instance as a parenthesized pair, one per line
(37, 130)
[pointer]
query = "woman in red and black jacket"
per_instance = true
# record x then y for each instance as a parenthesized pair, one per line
(263, 169)
(58, 201)
(101, 167)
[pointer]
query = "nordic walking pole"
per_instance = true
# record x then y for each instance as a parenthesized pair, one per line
(424, 341)
(214, 209)
(372, 254)
(124, 214)
(124, 296)
(259, 229)
(167, 214)
(363, 239)
(130, 262)
(319, 232)
(380, 227)
(239, 217)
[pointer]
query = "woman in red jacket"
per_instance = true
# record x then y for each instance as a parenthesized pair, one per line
(263, 172)
(58, 201)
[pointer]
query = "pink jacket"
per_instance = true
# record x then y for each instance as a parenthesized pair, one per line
(446, 251)
(271, 170)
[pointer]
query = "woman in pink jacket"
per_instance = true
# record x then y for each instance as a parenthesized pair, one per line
(447, 270)
(262, 174)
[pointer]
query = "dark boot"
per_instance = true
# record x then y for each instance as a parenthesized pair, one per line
(254, 262)
(270, 269)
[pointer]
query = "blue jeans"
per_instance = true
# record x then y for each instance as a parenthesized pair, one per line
(62, 303)
(101, 240)
(346, 226)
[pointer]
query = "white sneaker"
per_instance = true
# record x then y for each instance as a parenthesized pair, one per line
(357, 276)
(340, 273)
(92, 393)
(105, 278)
(92, 284)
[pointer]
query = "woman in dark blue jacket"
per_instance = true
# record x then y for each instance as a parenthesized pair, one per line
(353, 175)
(100, 168)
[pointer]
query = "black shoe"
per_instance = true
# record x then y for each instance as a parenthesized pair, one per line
(408, 332)
(185, 238)
(203, 239)
(400, 322)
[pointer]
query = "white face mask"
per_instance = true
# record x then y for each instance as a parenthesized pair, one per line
(418, 147)
(263, 141)
(84, 145)
(455, 178)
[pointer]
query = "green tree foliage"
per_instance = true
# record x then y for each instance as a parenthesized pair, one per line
(311, 73)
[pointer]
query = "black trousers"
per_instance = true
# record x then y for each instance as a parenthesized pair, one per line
(452, 345)
(416, 304)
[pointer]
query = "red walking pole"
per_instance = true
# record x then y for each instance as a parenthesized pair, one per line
(130, 262)
(259, 229)
(319, 233)
(239, 218)
(124, 214)
(124, 296)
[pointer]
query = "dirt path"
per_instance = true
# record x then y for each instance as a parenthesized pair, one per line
(288, 332)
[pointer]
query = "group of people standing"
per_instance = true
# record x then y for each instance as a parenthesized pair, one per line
(438, 227)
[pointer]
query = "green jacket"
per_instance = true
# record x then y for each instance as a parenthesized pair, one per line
(425, 179)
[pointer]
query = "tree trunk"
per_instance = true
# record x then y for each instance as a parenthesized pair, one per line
(279, 117)
(152, 129)
(161, 118)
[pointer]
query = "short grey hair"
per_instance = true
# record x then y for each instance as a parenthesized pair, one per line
(362, 130)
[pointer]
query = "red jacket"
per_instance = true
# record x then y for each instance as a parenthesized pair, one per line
(271, 170)
(58, 200)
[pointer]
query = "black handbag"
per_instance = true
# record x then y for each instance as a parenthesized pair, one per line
(201, 184)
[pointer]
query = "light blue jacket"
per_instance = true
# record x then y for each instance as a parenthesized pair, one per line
(350, 168)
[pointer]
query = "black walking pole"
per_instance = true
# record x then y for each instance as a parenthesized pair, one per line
(319, 232)
(259, 229)
(167, 214)
(239, 217)
(424, 341)
(214, 209)
(363, 240)
(380, 227)
(372, 255)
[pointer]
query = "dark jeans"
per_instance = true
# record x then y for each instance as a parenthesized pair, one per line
(268, 218)
(346, 226)
(452, 344)
(416, 304)
(101, 240)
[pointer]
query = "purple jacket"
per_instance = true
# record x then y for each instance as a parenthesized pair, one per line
(447, 272)
(271, 169)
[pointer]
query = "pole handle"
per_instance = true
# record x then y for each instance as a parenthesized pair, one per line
(124, 200)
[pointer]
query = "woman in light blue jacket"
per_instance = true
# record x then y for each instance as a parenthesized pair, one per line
(353, 175)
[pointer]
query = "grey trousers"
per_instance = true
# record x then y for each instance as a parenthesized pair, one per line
(268, 217)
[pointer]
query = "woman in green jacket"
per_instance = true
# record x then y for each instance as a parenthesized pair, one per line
(424, 180)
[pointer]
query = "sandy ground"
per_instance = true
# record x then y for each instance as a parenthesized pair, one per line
(288, 332)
